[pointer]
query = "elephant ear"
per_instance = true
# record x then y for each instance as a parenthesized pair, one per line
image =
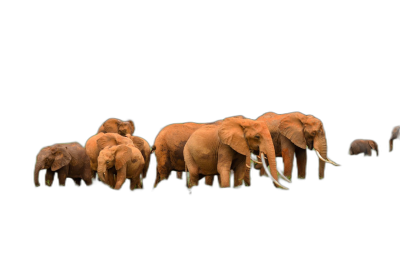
(132, 126)
(61, 158)
(106, 140)
(123, 154)
(231, 133)
(292, 128)
(111, 125)
(372, 144)
(137, 142)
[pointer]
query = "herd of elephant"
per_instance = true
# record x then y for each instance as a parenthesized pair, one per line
(200, 149)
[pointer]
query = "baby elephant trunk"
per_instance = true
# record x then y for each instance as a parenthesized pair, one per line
(38, 167)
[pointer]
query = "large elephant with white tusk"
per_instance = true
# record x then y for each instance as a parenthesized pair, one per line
(292, 133)
(217, 149)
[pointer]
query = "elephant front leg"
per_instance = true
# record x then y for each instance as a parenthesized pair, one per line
(49, 177)
(62, 176)
(77, 181)
(179, 175)
(121, 177)
(288, 149)
(301, 159)
(240, 175)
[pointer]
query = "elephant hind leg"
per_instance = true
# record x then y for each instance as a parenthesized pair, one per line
(62, 175)
(163, 173)
(209, 180)
(179, 175)
(193, 169)
(301, 160)
(77, 181)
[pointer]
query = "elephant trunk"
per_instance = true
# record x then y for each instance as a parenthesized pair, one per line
(321, 149)
(102, 172)
(38, 167)
(391, 144)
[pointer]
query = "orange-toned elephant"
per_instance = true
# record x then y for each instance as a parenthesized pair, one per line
(395, 135)
(117, 126)
(168, 148)
(98, 142)
(292, 133)
(123, 161)
(220, 148)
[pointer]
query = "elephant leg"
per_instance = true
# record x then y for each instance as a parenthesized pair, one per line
(136, 183)
(121, 177)
(247, 178)
(288, 149)
(62, 176)
(179, 175)
(163, 167)
(49, 177)
(240, 175)
(77, 181)
(301, 159)
(368, 152)
(110, 178)
(209, 180)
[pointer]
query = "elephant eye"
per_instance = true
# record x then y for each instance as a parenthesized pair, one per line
(257, 137)
(107, 161)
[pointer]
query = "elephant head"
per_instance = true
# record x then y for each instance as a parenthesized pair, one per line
(117, 126)
(394, 135)
(243, 135)
(52, 157)
(307, 131)
(112, 156)
(374, 146)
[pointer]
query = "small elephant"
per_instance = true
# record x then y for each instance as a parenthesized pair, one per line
(124, 161)
(99, 141)
(363, 146)
(395, 135)
(117, 126)
(217, 149)
(68, 160)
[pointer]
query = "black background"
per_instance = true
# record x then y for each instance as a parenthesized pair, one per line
(341, 74)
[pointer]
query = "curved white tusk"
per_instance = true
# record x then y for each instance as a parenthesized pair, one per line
(275, 183)
(333, 163)
(328, 161)
(284, 177)
(255, 161)
(320, 157)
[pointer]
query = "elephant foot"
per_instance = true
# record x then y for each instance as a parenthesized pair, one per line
(238, 183)
(321, 178)
(301, 177)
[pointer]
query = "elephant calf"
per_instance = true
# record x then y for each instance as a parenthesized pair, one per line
(117, 163)
(363, 146)
(395, 135)
(68, 160)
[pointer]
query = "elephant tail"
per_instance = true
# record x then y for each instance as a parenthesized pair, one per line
(153, 148)
(391, 144)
